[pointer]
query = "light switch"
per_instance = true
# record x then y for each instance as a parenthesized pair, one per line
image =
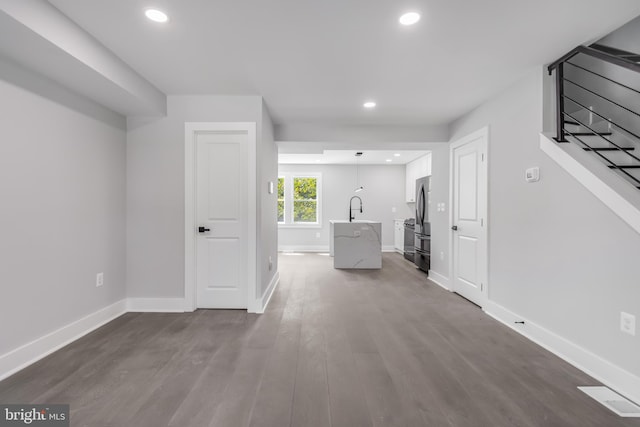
(532, 174)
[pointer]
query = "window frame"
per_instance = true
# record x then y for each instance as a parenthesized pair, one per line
(284, 199)
(288, 200)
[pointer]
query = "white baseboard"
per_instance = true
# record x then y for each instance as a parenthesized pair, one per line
(319, 248)
(155, 305)
(35, 350)
(440, 280)
(269, 292)
(614, 377)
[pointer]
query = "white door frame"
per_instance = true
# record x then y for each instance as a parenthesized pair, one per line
(190, 203)
(484, 192)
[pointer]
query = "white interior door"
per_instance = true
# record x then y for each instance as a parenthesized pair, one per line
(469, 193)
(222, 219)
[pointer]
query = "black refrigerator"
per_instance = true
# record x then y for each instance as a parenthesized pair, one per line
(422, 257)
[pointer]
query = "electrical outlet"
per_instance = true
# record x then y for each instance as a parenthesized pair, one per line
(99, 279)
(628, 323)
(393, 209)
(318, 235)
(442, 255)
(270, 263)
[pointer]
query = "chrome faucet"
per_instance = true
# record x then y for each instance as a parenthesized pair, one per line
(351, 217)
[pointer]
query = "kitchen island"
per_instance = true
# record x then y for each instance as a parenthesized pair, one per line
(356, 244)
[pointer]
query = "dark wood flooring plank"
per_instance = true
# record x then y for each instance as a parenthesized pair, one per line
(57, 367)
(134, 377)
(346, 390)
(310, 397)
(274, 402)
(335, 348)
(383, 399)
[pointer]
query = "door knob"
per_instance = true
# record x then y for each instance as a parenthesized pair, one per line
(202, 229)
(454, 228)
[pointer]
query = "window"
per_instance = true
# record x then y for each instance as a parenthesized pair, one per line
(305, 199)
(281, 200)
(299, 200)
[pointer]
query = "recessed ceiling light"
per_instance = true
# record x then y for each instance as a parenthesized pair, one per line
(409, 18)
(156, 15)
(396, 155)
(388, 160)
(369, 104)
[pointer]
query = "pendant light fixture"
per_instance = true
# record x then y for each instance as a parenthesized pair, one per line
(358, 186)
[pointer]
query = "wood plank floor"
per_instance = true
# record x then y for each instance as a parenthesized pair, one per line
(341, 348)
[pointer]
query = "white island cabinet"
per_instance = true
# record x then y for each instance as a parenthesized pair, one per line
(356, 244)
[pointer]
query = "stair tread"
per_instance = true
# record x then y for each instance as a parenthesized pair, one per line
(588, 134)
(608, 149)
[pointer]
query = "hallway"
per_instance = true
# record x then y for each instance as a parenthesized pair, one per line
(335, 348)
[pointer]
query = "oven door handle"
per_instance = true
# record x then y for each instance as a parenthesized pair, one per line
(420, 251)
(421, 237)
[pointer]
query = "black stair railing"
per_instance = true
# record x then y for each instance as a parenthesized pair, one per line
(570, 126)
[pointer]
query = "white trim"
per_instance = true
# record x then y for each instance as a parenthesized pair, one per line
(609, 398)
(288, 197)
(599, 188)
(482, 134)
(156, 305)
(191, 128)
(29, 353)
(604, 371)
(303, 248)
(275, 280)
(324, 248)
(440, 280)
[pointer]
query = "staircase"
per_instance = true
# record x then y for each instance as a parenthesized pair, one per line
(598, 106)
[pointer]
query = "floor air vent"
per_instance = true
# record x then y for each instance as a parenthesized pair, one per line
(612, 400)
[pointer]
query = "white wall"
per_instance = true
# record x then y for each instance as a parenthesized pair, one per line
(267, 203)
(557, 256)
(155, 189)
(62, 219)
(626, 38)
(440, 233)
(362, 134)
(383, 189)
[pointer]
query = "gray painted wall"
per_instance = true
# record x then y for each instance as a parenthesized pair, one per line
(384, 189)
(268, 203)
(626, 38)
(62, 187)
(440, 233)
(155, 189)
(557, 255)
(361, 134)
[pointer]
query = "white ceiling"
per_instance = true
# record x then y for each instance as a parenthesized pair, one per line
(317, 62)
(348, 157)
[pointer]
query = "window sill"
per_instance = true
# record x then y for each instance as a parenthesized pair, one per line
(314, 225)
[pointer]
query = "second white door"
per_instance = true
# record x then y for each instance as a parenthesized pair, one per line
(222, 218)
(469, 191)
